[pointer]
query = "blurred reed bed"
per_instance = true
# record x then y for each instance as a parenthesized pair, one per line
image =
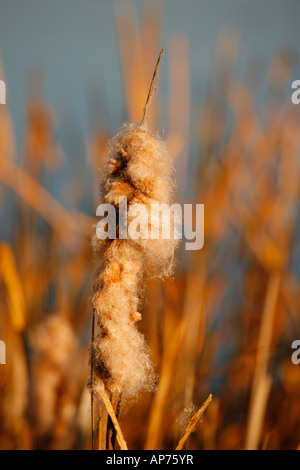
(223, 325)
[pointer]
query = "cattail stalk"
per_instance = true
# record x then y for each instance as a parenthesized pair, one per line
(139, 168)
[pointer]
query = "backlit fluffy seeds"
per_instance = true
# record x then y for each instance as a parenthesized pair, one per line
(140, 168)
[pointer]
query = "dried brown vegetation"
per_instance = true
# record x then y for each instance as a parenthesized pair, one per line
(223, 324)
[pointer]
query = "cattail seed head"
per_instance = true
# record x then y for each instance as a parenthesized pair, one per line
(139, 168)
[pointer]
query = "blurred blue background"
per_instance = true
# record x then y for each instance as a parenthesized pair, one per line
(75, 43)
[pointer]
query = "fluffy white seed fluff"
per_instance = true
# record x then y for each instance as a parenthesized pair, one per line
(139, 167)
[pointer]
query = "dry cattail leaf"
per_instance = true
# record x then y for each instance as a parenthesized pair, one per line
(193, 423)
(103, 394)
(10, 275)
(32, 192)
